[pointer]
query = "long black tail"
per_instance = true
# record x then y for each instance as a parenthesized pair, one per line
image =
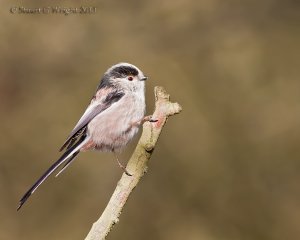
(69, 155)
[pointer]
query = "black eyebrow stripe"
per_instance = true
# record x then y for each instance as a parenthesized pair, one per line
(124, 70)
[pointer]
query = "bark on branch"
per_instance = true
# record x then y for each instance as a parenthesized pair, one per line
(137, 165)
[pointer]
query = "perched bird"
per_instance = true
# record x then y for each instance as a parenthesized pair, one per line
(110, 121)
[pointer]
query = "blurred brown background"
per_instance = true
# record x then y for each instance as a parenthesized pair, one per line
(227, 167)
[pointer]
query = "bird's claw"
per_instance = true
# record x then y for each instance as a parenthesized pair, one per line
(153, 120)
(149, 119)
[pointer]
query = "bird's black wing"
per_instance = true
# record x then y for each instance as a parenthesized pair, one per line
(92, 111)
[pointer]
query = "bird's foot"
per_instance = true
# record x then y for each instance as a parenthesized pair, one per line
(122, 167)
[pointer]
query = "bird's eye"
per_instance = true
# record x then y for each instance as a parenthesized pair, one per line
(130, 78)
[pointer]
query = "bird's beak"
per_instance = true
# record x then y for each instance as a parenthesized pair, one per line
(144, 78)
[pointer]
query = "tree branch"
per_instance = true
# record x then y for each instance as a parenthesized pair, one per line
(137, 165)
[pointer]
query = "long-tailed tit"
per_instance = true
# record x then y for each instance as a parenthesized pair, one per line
(110, 121)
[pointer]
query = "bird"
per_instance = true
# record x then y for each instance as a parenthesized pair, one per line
(109, 123)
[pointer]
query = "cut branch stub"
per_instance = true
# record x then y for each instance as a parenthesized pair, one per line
(163, 109)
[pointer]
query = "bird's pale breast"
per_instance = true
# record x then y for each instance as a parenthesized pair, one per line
(116, 126)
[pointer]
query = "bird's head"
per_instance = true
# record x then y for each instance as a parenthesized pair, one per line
(125, 76)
